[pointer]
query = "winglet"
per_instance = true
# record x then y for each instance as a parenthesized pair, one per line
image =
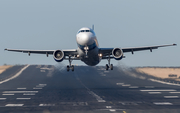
(5, 49)
(174, 44)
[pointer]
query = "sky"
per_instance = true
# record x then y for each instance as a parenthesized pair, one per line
(53, 24)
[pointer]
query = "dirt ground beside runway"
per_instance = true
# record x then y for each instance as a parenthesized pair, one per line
(3, 68)
(160, 72)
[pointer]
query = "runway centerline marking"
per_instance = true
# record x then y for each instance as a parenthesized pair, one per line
(159, 90)
(12, 105)
(98, 98)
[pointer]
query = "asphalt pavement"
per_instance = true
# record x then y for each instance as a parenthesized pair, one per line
(48, 89)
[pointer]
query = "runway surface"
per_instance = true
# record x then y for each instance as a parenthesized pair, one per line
(46, 89)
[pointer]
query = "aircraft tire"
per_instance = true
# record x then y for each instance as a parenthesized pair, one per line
(111, 67)
(107, 67)
(72, 68)
(67, 68)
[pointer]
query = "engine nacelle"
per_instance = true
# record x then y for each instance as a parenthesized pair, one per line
(58, 55)
(117, 53)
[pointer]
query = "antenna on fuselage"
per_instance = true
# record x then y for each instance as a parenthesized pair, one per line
(93, 27)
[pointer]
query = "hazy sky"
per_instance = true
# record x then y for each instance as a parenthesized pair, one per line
(53, 24)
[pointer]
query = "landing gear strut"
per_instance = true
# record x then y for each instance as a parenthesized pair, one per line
(70, 66)
(109, 65)
(86, 48)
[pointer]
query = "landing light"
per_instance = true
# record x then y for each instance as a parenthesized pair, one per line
(100, 55)
(86, 48)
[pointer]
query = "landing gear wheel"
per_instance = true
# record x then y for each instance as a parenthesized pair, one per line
(67, 68)
(111, 67)
(72, 68)
(107, 67)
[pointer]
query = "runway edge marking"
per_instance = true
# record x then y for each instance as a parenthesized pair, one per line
(164, 82)
(16, 75)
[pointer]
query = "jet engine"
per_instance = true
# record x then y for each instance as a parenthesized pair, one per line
(117, 53)
(58, 55)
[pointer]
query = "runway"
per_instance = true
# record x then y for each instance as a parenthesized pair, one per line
(46, 89)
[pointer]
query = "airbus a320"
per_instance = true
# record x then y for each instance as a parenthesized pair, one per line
(88, 50)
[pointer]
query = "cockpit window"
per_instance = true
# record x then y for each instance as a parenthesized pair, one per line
(86, 31)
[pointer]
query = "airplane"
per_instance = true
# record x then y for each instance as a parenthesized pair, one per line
(88, 50)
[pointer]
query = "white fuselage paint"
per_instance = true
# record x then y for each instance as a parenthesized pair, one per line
(86, 39)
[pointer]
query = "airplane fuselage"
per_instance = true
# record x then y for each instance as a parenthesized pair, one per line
(88, 47)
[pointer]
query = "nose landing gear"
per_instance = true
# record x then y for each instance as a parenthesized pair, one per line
(86, 48)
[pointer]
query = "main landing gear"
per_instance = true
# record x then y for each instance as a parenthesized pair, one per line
(109, 65)
(70, 66)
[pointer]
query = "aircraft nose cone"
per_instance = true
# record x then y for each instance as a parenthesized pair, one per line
(85, 39)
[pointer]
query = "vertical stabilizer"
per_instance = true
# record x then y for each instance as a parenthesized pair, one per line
(93, 26)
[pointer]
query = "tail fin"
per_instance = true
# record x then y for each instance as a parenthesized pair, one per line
(93, 27)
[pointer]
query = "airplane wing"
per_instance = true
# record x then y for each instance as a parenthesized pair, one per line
(68, 52)
(108, 51)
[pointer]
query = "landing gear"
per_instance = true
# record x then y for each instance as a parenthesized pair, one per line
(70, 66)
(86, 48)
(109, 65)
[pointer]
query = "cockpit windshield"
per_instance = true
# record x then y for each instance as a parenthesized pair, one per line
(85, 31)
